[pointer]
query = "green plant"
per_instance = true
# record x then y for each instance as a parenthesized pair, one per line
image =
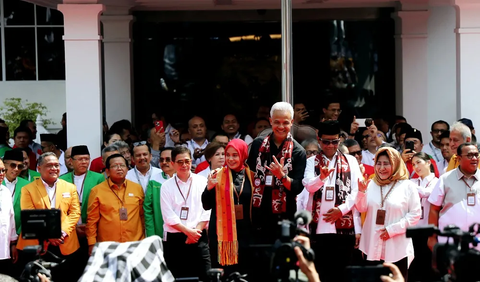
(14, 110)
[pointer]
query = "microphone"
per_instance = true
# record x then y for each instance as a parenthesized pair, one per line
(303, 217)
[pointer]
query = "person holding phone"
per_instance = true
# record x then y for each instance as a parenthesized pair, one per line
(392, 205)
(414, 144)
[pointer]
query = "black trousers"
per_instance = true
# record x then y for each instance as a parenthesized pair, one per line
(333, 253)
(421, 267)
(401, 264)
(187, 260)
(6, 267)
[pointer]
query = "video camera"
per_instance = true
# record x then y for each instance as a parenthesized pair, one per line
(284, 258)
(457, 260)
(41, 225)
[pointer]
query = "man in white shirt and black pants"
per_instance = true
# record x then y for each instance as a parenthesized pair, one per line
(331, 178)
(186, 242)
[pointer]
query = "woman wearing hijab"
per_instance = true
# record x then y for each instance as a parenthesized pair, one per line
(229, 195)
(392, 205)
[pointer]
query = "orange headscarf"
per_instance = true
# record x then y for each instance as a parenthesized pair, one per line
(399, 169)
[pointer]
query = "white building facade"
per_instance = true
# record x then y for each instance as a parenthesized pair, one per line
(436, 59)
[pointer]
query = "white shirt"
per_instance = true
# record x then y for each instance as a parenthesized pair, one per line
(61, 161)
(136, 176)
(192, 145)
(313, 183)
(302, 200)
(368, 158)
(51, 192)
(160, 177)
(434, 152)
(168, 140)
(424, 188)
(78, 180)
(450, 193)
(172, 202)
(205, 172)
(8, 232)
(11, 186)
(403, 210)
(248, 139)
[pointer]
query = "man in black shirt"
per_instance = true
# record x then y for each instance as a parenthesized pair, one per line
(279, 164)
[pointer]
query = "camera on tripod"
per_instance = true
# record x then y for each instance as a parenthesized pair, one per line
(41, 225)
(454, 260)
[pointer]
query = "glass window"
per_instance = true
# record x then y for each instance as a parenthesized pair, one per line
(18, 12)
(20, 53)
(47, 16)
(51, 57)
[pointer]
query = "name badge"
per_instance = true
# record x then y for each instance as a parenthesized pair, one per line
(238, 212)
(471, 199)
(184, 213)
(329, 193)
(123, 214)
(66, 195)
(268, 180)
(130, 194)
(380, 217)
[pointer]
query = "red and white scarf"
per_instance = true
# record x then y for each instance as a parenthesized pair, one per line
(279, 197)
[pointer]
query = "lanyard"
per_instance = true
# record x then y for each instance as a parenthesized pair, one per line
(138, 178)
(121, 201)
(388, 193)
(83, 183)
(188, 193)
(470, 187)
(238, 194)
(54, 195)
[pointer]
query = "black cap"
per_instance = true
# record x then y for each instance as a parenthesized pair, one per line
(79, 150)
(330, 127)
(48, 137)
(414, 133)
(13, 155)
(467, 122)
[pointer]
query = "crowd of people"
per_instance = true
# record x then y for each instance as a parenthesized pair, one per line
(216, 198)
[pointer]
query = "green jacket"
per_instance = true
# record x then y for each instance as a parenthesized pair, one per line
(16, 201)
(92, 179)
(31, 176)
(152, 209)
(3, 149)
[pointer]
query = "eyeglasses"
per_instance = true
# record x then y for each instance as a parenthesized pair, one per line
(2, 171)
(336, 111)
(311, 152)
(184, 162)
(439, 131)
(140, 143)
(117, 166)
(81, 159)
(359, 153)
(167, 160)
(328, 142)
(14, 166)
(471, 156)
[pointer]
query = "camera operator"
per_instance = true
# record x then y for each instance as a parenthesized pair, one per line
(454, 198)
(306, 266)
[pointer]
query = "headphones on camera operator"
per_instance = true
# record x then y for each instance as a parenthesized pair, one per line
(41, 224)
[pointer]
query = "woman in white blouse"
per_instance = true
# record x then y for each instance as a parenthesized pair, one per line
(420, 270)
(215, 156)
(392, 205)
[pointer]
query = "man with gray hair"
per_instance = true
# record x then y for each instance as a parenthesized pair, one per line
(124, 150)
(459, 134)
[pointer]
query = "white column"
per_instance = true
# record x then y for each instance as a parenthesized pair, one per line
(442, 62)
(412, 66)
(83, 75)
(117, 67)
(468, 60)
